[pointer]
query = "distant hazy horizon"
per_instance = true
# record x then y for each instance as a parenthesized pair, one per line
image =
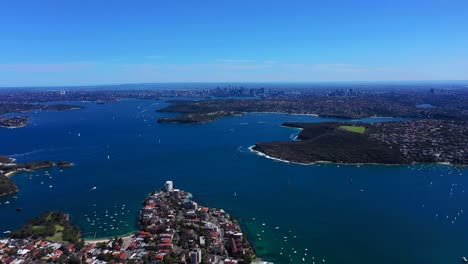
(211, 85)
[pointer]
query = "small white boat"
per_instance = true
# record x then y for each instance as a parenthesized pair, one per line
(7, 232)
(465, 259)
(108, 157)
(94, 188)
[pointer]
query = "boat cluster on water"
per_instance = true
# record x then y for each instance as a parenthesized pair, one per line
(291, 254)
(111, 221)
(46, 176)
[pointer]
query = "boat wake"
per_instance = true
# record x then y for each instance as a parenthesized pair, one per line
(294, 136)
(21, 155)
(242, 149)
(273, 158)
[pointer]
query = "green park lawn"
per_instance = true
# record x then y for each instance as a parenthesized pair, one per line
(356, 129)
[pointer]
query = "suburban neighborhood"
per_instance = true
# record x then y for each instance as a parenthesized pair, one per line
(173, 229)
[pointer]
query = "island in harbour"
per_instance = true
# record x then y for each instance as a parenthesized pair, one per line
(173, 229)
(407, 142)
(14, 122)
(8, 167)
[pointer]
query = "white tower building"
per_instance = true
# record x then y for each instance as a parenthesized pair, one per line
(195, 256)
(169, 186)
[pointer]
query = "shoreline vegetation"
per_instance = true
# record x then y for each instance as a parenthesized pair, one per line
(53, 226)
(320, 162)
(9, 167)
(390, 143)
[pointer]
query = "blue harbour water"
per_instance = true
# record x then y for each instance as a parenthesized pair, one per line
(386, 214)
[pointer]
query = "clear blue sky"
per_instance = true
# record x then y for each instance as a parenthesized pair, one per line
(102, 42)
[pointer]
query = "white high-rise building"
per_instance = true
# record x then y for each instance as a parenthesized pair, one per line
(195, 256)
(169, 186)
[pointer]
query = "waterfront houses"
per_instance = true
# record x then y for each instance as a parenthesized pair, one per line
(173, 229)
(428, 141)
(178, 225)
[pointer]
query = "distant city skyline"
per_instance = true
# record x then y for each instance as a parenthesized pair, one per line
(62, 43)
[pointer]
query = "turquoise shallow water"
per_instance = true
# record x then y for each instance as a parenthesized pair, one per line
(388, 214)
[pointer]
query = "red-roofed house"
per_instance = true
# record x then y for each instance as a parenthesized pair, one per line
(165, 246)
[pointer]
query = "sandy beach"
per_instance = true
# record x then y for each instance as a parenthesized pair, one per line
(100, 240)
(9, 174)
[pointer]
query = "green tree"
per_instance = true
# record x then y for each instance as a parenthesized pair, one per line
(168, 260)
(74, 260)
(247, 258)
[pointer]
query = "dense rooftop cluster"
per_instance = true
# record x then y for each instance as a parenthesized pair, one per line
(174, 229)
(426, 140)
(179, 225)
(117, 250)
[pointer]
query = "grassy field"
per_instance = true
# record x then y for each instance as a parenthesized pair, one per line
(51, 226)
(58, 236)
(356, 129)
